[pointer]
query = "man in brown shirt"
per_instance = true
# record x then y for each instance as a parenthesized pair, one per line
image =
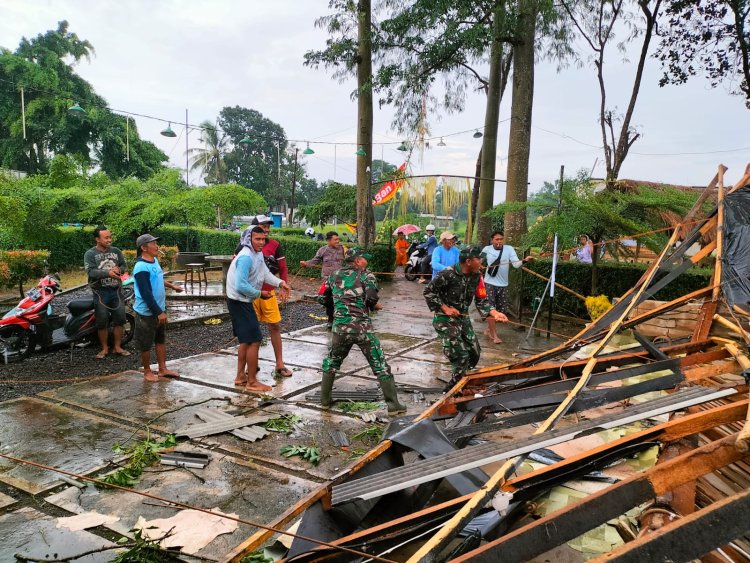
(330, 257)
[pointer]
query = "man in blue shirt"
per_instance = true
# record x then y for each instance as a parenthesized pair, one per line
(445, 255)
(151, 307)
(429, 245)
(499, 258)
(245, 279)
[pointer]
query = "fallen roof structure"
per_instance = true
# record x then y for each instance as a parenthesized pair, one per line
(386, 503)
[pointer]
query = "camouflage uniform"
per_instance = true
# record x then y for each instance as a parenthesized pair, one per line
(453, 288)
(355, 294)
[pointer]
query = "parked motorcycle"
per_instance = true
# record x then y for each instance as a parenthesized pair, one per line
(416, 265)
(33, 322)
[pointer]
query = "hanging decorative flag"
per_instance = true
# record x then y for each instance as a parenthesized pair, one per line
(389, 188)
(352, 227)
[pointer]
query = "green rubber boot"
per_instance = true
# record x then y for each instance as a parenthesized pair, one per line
(325, 388)
(391, 397)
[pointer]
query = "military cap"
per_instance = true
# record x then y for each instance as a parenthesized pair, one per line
(471, 251)
(356, 252)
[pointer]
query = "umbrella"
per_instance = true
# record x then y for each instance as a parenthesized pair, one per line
(406, 229)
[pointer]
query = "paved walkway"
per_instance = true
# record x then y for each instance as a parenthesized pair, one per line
(74, 428)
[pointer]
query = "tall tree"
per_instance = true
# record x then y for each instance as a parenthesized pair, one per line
(255, 164)
(41, 71)
(43, 67)
(365, 215)
(209, 158)
(499, 67)
(597, 22)
(712, 36)
(519, 140)
(120, 151)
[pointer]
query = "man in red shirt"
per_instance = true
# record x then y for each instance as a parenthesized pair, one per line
(267, 310)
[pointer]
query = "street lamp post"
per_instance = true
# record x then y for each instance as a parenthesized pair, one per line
(294, 184)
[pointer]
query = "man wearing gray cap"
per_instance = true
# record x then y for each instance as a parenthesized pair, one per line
(151, 307)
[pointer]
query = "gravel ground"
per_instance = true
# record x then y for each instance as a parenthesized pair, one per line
(46, 371)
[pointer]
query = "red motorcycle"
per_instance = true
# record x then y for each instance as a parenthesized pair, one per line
(33, 322)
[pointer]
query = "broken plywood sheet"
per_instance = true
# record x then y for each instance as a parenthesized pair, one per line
(253, 492)
(36, 536)
(190, 530)
(55, 436)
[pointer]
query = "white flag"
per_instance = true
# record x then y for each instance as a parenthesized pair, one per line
(554, 268)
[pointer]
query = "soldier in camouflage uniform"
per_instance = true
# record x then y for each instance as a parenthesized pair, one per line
(355, 294)
(449, 296)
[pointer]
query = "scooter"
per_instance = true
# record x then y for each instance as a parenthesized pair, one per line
(33, 322)
(415, 265)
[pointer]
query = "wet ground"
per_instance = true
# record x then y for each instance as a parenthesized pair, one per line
(74, 426)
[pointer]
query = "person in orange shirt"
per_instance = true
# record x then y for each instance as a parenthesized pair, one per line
(401, 246)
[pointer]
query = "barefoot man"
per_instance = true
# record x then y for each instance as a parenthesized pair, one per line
(499, 258)
(245, 278)
(151, 307)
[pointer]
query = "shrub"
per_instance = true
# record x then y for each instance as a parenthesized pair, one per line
(21, 265)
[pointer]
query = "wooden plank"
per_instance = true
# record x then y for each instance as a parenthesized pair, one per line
(699, 203)
(719, 235)
(742, 181)
(690, 537)
(563, 525)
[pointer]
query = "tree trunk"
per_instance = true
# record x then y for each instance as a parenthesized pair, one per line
(595, 266)
(472, 222)
(491, 118)
(365, 215)
(519, 140)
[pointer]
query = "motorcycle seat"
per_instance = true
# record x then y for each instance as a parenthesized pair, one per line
(80, 306)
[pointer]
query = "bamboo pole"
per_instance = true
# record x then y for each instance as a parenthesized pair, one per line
(559, 285)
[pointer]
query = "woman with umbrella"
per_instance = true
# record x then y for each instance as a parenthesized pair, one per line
(401, 246)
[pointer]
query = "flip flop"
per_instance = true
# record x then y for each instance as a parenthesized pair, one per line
(123, 353)
(171, 374)
(282, 372)
(240, 382)
(101, 355)
(152, 377)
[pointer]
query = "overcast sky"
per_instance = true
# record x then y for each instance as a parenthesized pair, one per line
(159, 58)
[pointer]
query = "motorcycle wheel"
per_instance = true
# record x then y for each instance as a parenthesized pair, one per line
(128, 330)
(17, 341)
(409, 272)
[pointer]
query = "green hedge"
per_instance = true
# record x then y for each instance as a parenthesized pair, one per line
(69, 244)
(615, 278)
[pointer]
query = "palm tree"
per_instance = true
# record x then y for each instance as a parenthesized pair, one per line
(209, 159)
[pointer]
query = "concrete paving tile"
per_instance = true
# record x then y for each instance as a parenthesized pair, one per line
(220, 369)
(130, 397)
(35, 535)
(402, 323)
(318, 334)
(253, 492)
(312, 432)
(430, 352)
(305, 354)
(416, 373)
(52, 435)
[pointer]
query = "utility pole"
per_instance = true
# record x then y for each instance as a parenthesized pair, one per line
(294, 184)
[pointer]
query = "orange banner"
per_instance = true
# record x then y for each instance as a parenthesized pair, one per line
(389, 189)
